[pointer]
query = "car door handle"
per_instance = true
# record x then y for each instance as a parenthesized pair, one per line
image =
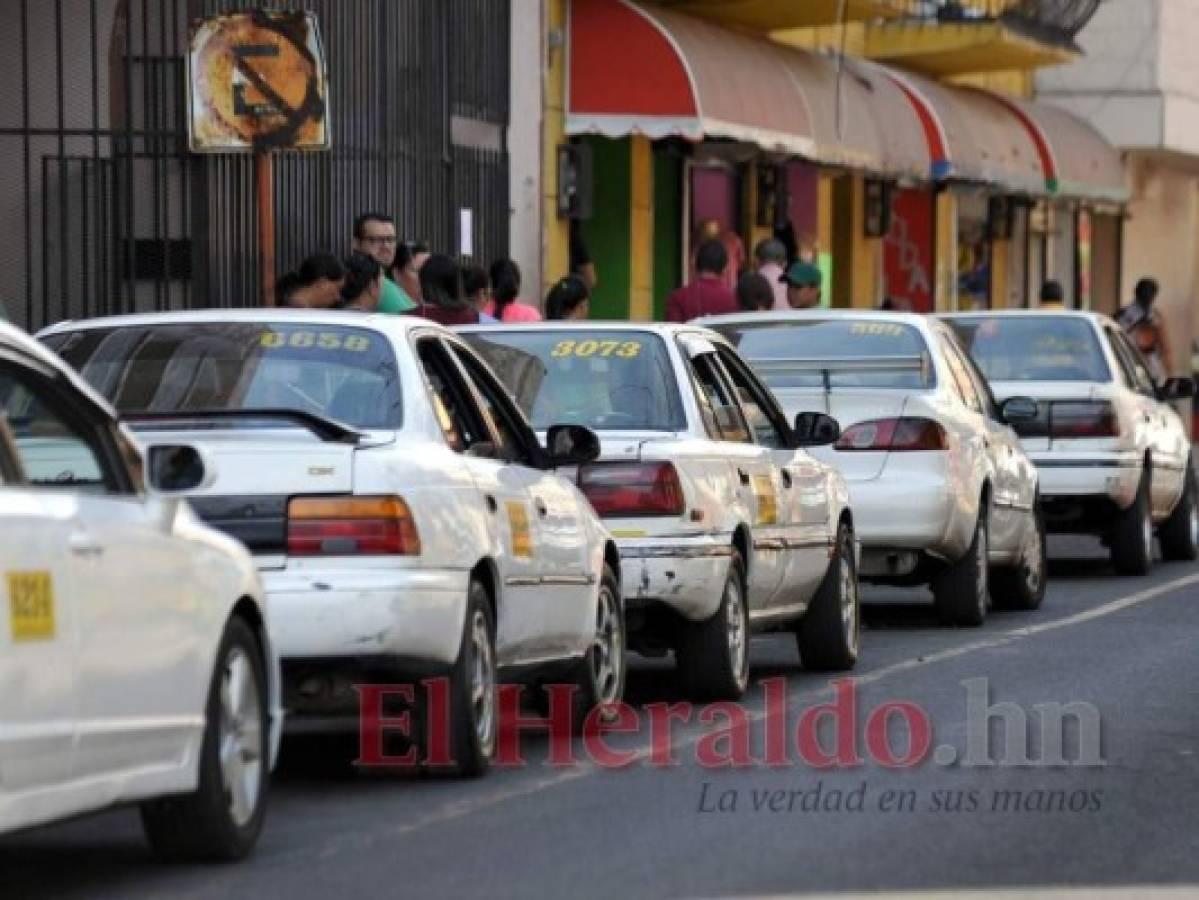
(786, 479)
(83, 544)
(743, 475)
(542, 509)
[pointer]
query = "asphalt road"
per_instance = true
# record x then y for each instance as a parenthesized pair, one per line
(1127, 647)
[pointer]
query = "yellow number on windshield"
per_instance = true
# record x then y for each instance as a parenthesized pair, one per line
(584, 349)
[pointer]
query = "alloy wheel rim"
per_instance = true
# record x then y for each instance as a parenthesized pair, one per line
(736, 631)
(849, 605)
(607, 650)
(482, 681)
(240, 738)
(1034, 560)
(1147, 533)
(1193, 522)
(983, 570)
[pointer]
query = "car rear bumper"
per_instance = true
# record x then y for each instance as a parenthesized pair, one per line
(916, 512)
(686, 574)
(1115, 476)
(413, 616)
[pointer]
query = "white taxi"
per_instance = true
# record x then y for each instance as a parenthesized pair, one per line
(1114, 456)
(725, 524)
(404, 518)
(135, 664)
(941, 489)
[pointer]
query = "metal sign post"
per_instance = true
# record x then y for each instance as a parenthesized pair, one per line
(257, 83)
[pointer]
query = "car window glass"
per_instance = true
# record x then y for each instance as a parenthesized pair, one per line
(961, 378)
(978, 381)
(460, 421)
(718, 394)
(1037, 347)
(754, 402)
(52, 449)
(1123, 363)
(10, 472)
(496, 407)
(1142, 377)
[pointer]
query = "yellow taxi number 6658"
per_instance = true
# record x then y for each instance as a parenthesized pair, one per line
(31, 605)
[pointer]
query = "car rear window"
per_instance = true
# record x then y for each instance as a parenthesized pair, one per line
(606, 380)
(339, 372)
(1038, 347)
(850, 353)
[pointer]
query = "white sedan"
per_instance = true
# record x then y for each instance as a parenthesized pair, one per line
(941, 489)
(725, 524)
(1114, 455)
(405, 520)
(135, 665)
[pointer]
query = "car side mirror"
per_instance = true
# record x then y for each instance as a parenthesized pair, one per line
(571, 445)
(174, 469)
(1176, 389)
(1016, 410)
(814, 429)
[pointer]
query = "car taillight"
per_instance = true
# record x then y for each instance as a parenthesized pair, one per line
(894, 435)
(351, 526)
(1083, 419)
(632, 489)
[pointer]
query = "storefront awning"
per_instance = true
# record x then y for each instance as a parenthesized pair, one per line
(651, 71)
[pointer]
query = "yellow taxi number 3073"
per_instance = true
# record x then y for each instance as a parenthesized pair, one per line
(620, 349)
(31, 606)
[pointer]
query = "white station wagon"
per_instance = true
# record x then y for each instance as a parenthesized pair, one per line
(725, 523)
(135, 663)
(941, 490)
(405, 520)
(1114, 456)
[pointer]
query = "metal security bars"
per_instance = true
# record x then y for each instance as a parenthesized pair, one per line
(105, 211)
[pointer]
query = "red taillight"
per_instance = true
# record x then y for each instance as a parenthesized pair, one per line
(636, 489)
(894, 435)
(1084, 419)
(351, 526)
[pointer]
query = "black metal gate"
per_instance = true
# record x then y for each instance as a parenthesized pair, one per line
(104, 210)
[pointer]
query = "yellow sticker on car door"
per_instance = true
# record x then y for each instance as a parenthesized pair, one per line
(31, 606)
(768, 507)
(518, 522)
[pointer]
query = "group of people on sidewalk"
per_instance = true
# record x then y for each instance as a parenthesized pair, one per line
(384, 274)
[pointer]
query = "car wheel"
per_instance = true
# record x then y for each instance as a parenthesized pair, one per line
(1132, 537)
(1180, 533)
(601, 674)
(221, 821)
(829, 632)
(474, 710)
(961, 592)
(713, 656)
(1023, 585)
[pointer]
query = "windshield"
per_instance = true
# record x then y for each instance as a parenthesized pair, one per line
(798, 354)
(605, 380)
(342, 373)
(1033, 348)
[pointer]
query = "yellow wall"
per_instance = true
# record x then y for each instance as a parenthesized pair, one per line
(556, 241)
(826, 37)
(946, 252)
(1014, 83)
(641, 231)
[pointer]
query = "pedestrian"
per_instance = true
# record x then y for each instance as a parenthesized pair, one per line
(375, 235)
(362, 286)
(405, 269)
(442, 297)
(477, 287)
(1052, 296)
(570, 298)
(771, 258)
(755, 293)
(505, 289)
(734, 249)
(707, 294)
(1147, 328)
(317, 282)
(286, 286)
(803, 282)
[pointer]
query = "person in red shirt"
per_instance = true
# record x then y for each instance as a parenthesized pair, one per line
(707, 294)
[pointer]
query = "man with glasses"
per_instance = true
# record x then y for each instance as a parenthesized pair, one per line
(375, 235)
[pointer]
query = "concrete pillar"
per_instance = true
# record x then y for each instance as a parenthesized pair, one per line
(641, 229)
(524, 143)
(555, 244)
(946, 288)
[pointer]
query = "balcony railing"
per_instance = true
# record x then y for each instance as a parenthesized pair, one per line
(1053, 21)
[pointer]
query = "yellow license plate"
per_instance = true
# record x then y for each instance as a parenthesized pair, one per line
(31, 606)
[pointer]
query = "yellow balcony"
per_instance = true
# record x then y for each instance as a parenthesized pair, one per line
(774, 15)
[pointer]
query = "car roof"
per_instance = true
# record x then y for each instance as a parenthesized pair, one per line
(1086, 314)
(24, 345)
(662, 328)
(917, 320)
(379, 321)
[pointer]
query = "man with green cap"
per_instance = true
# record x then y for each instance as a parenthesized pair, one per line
(803, 285)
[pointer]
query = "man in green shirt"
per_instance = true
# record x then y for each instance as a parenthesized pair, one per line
(375, 235)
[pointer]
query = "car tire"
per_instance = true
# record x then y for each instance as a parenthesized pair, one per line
(829, 632)
(713, 656)
(474, 703)
(600, 675)
(1179, 534)
(1023, 586)
(222, 819)
(961, 591)
(1132, 535)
